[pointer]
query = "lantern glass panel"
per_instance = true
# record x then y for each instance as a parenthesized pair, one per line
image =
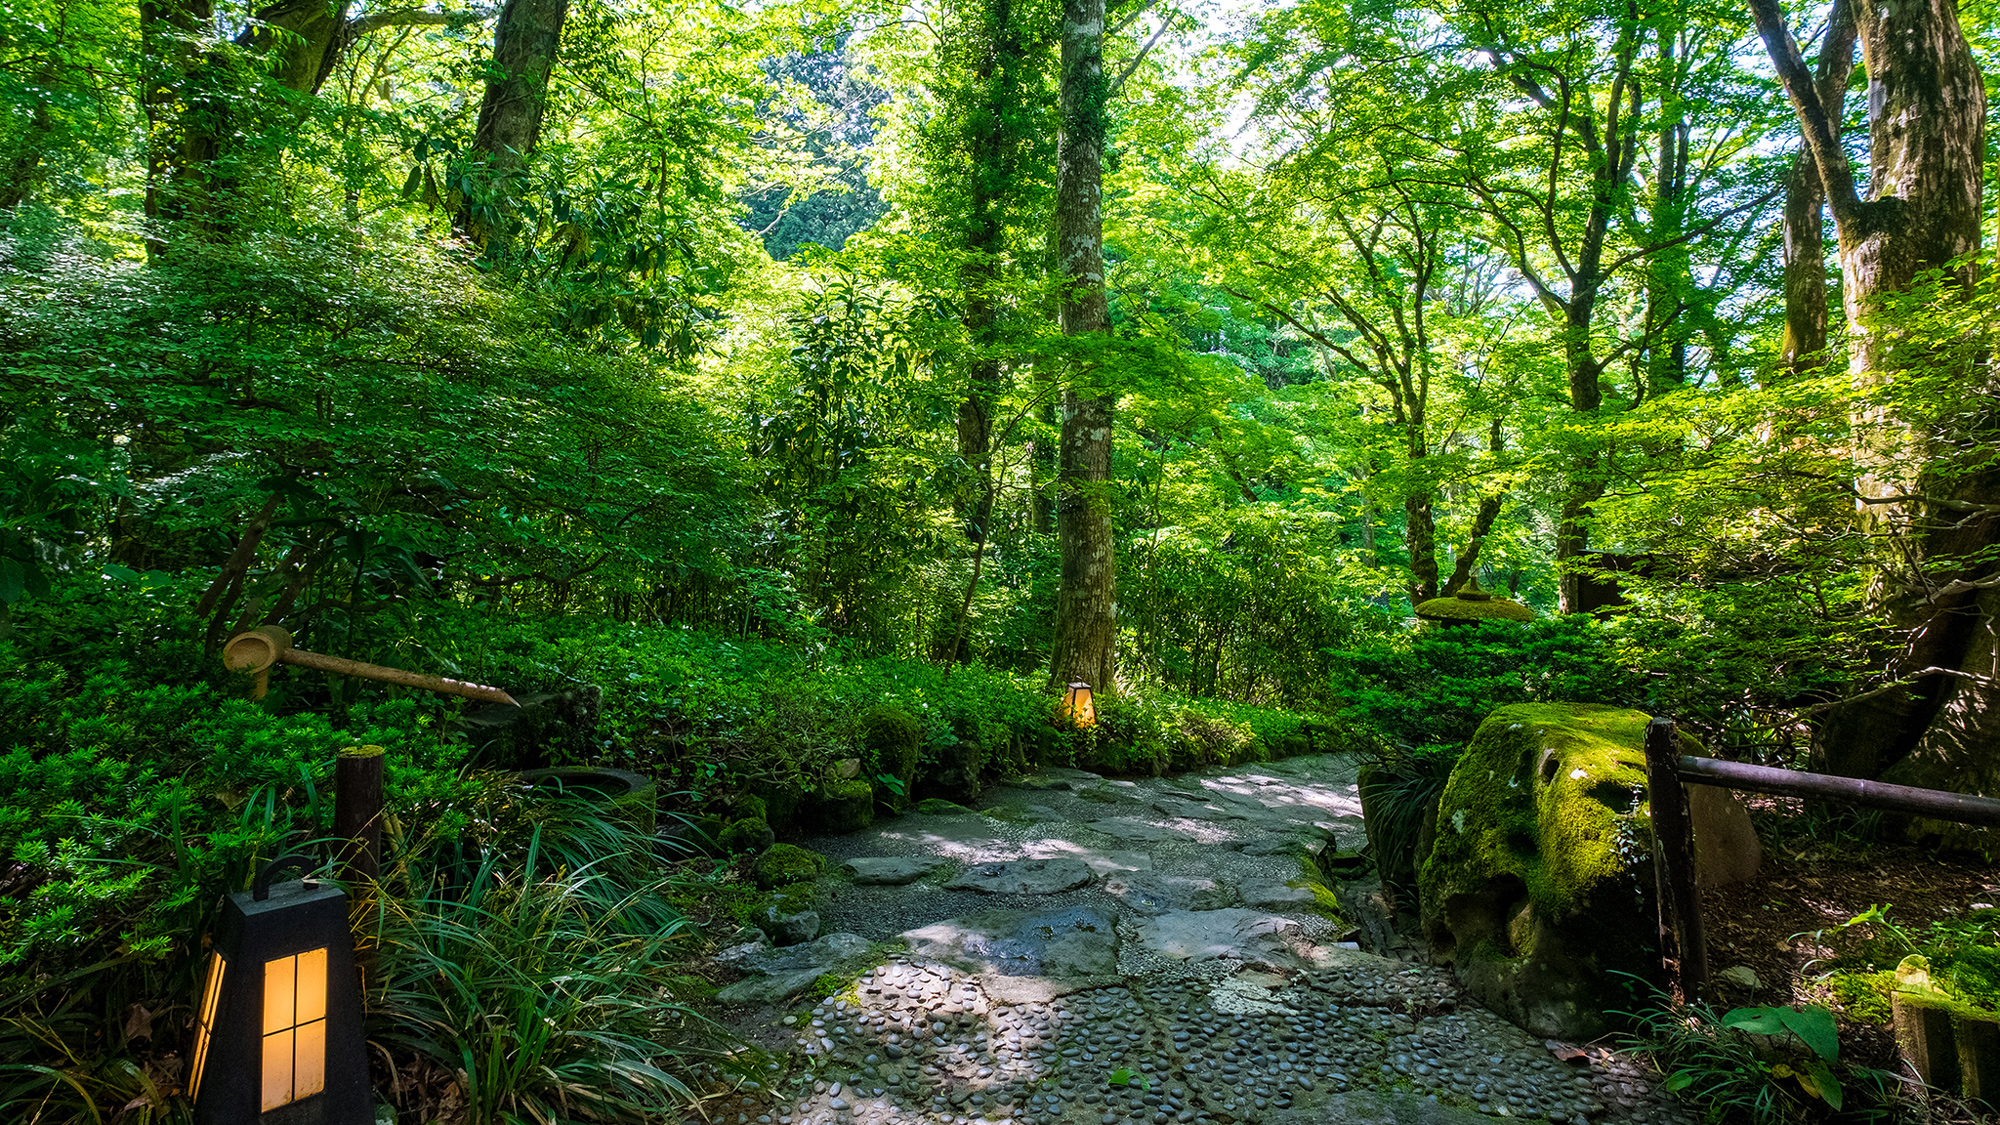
(294, 1028)
(204, 1024)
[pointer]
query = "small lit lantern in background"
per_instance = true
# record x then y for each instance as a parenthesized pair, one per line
(278, 1037)
(1077, 707)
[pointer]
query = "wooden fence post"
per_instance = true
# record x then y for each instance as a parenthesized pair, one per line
(1673, 855)
(357, 811)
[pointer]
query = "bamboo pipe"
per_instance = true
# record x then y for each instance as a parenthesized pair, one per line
(258, 649)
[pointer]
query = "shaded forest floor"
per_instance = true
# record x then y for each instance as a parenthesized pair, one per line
(1819, 872)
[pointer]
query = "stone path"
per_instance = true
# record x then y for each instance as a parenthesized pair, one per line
(1097, 952)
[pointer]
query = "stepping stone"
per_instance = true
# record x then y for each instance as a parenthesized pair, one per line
(1075, 941)
(1038, 784)
(1135, 831)
(1285, 845)
(1154, 894)
(1024, 877)
(1101, 861)
(780, 973)
(889, 871)
(1278, 896)
(1243, 935)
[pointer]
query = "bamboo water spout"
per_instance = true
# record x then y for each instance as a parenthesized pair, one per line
(258, 649)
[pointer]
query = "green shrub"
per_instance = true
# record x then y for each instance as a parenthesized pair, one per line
(1434, 686)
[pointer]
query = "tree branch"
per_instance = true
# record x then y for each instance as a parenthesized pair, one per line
(416, 17)
(1821, 136)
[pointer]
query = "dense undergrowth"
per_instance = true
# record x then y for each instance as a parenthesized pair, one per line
(142, 784)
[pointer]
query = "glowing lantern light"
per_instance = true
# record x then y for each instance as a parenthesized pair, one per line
(1077, 706)
(278, 1037)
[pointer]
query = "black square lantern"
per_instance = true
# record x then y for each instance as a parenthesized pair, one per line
(278, 1037)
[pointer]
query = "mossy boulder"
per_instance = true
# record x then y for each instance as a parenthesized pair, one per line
(958, 768)
(787, 864)
(842, 806)
(748, 834)
(890, 740)
(1539, 886)
(791, 917)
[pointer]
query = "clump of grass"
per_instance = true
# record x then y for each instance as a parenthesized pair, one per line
(546, 982)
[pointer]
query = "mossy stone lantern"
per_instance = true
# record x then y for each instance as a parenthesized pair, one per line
(278, 1037)
(1471, 605)
(1079, 708)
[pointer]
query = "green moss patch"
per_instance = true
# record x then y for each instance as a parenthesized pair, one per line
(1455, 609)
(1584, 767)
(785, 864)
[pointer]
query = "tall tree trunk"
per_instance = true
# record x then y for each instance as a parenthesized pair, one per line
(1668, 282)
(1086, 625)
(1926, 125)
(1483, 520)
(1804, 345)
(991, 143)
(168, 33)
(525, 42)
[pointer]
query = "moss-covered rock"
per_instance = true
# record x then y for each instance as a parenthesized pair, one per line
(957, 770)
(843, 806)
(938, 806)
(752, 806)
(786, 864)
(748, 834)
(890, 739)
(1539, 886)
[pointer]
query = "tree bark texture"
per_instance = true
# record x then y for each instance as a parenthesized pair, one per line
(525, 42)
(1086, 624)
(1804, 345)
(1926, 118)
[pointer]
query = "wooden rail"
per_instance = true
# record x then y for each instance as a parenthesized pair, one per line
(1669, 772)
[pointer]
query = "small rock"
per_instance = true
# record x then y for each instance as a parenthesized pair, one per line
(889, 871)
(1740, 976)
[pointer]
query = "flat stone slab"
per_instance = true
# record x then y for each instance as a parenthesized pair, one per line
(779, 973)
(889, 871)
(1135, 831)
(1101, 861)
(1073, 942)
(1278, 897)
(1153, 894)
(1024, 877)
(1038, 783)
(1286, 845)
(1235, 933)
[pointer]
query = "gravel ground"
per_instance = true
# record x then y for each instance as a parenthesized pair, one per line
(1285, 1026)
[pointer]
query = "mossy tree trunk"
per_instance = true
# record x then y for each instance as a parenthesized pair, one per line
(1936, 517)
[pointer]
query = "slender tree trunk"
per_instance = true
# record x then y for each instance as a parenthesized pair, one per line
(992, 147)
(1086, 625)
(525, 42)
(1804, 346)
(1926, 117)
(168, 33)
(1668, 282)
(1483, 520)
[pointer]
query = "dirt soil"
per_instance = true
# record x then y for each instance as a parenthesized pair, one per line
(1813, 882)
